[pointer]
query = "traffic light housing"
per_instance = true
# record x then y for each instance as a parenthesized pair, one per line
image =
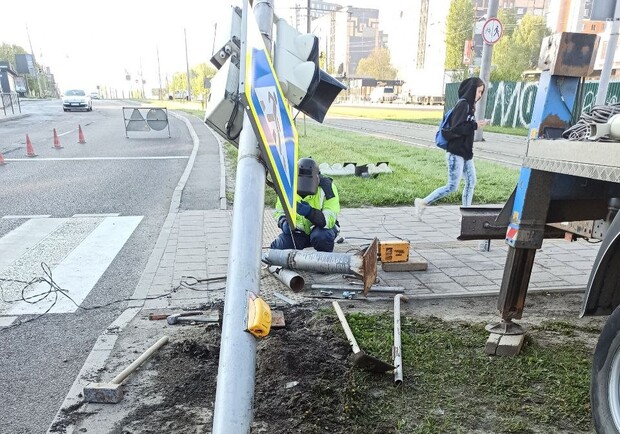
(296, 61)
(231, 42)
(224, 111)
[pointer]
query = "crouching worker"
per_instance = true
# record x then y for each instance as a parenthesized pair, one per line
(317, 205)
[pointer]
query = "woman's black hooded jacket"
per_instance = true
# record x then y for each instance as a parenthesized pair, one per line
(462, 122)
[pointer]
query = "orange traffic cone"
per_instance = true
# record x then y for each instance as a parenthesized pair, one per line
(29, 149)
(56, 140)
(80, 135)
(2, 163)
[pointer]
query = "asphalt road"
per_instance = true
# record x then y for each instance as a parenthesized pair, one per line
(109, 174)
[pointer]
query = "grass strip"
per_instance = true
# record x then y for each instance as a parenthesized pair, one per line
(451, 385)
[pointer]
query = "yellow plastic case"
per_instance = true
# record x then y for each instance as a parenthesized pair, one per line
(259, 316)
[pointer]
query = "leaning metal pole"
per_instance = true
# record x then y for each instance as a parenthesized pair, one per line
(234, 396)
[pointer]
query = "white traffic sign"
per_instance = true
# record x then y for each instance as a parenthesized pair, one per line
(492, 30)
(271, 118)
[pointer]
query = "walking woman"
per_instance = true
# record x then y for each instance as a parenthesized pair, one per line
(459, 154)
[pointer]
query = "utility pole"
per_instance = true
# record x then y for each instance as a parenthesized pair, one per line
(234, 398)
(159, 73)
(142, 79)
(34, 61)
(308, 18)
(214, 37)
(485, 72)
(603, 84)
(189, 82)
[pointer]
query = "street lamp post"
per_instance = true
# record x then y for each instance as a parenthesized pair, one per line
(485, 72)
(189, 86)
(34, 61)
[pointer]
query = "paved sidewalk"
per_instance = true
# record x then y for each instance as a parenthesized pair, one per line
(454, 267)
(194, 244)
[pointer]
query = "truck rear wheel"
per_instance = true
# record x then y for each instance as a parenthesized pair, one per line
(605, 382)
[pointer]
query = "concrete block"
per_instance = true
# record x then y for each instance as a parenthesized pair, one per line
(492, 343)
(504, 345)
(413, 264)
(510, 345)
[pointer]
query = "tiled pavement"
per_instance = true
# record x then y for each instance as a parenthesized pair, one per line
(454, 267)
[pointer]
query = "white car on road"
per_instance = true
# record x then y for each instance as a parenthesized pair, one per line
(76, 99)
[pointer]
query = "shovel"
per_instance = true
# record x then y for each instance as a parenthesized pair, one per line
(360, 358)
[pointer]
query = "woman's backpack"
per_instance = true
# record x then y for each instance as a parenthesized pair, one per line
(440, 140)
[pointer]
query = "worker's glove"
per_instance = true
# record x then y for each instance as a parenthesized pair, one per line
(304, 208)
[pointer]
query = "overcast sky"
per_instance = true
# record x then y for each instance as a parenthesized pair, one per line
(85, 48)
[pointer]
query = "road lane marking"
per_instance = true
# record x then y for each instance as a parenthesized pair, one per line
(31, 216)
(82, 268)
(95, 215)
(6, 321)
(25, 237)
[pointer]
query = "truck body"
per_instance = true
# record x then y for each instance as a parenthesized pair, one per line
(568, 189)
(383, 94)
(569, 186)
(424, 87)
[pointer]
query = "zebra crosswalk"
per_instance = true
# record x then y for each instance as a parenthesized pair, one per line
(77, 250)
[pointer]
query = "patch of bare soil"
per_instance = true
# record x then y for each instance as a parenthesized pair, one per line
(300, 369)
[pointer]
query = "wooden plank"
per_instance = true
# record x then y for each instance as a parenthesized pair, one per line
(277, 319)
(413, 264)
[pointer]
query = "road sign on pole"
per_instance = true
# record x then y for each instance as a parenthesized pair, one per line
(492, 30)
(271, 119)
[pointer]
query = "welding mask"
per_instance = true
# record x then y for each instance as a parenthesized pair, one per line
(307, 177)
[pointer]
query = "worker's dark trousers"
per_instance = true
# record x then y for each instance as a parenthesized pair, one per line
(320, 238)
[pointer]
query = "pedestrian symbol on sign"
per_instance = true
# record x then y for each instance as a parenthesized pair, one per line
(271, 120)
(269, 103)
(492, 31)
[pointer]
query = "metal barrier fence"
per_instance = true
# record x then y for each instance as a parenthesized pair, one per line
(145, 119)
(9, 102)
(510, 104)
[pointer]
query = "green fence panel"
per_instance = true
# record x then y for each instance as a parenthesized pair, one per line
(451, 96)
(510, 104)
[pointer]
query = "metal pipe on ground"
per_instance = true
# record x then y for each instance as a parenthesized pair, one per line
(397, 355)
(362, 264)
(344, 287)
(291, 279)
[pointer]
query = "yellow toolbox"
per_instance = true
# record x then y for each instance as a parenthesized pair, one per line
(394, 251)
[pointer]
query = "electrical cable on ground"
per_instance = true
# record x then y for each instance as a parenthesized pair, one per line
(55, 290)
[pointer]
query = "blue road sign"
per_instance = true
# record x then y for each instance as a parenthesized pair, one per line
(271, 118)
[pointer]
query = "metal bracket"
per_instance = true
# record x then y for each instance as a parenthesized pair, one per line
(505, 328)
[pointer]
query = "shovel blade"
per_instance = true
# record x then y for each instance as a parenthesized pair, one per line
(369, 363)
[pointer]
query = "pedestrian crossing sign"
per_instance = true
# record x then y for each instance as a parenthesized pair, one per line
(271, 118)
